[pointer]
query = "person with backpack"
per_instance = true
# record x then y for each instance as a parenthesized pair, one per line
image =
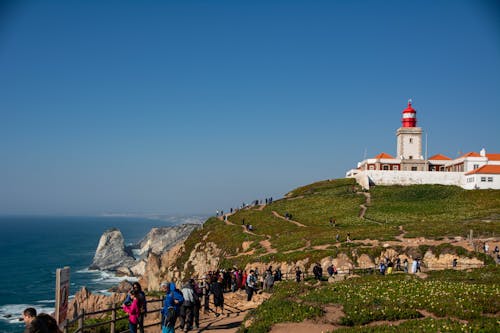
(198, 294)
(171, 307)
(187, 307)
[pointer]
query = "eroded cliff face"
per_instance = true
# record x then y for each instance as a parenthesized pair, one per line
(203, 258)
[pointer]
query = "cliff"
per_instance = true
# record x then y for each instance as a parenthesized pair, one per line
(113, 255)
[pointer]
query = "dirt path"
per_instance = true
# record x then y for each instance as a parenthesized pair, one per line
(364, 207)
(266, 244)
(288, 220)
(235, 310)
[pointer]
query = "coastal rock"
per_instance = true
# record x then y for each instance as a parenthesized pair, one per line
(111, 254)
(85, 300)
(159, 240)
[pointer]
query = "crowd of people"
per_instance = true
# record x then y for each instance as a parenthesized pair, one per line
(185, 304)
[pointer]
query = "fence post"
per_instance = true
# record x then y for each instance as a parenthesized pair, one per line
(81, 320)
(113, 319)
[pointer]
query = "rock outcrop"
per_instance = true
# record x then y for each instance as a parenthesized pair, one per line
(111, 253)
(159, 240)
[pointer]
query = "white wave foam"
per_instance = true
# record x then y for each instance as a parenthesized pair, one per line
(108, 277)
(46, 301)
(12, 312)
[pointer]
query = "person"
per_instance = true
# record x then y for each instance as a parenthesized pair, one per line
(330, 270)
(486, 248)
(33, 323)
(269, 279)
(142, 303)
(171, 307)
(398, 264)
(218, 292)
(251, 284)
(405, 265)
(198, 294)
(278, 275)
(187, 307)
(390, 265)
(496, 250)
(205, 291)
(454, 263)
(414, 266)
(132, 308)
(298, 274)
(382, 268)
(318, 272)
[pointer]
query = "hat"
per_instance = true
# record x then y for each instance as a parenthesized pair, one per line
(164, 285)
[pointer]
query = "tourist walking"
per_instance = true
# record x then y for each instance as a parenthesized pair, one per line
(171, 307)
(217, 289)
(205, 291)
(187, 307)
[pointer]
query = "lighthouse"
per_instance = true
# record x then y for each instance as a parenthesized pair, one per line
(409, 141)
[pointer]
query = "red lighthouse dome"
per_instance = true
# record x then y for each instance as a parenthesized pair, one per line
(409, 116)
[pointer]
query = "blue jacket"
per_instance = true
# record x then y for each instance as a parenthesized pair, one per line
(172, 296)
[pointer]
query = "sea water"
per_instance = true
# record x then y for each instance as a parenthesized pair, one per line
(32, 248)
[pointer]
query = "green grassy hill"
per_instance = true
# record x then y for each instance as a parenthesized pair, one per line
(431, 211)
(451, 301)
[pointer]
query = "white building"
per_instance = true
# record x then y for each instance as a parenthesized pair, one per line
(470, 171)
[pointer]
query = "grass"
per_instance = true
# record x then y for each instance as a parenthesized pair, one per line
(462, 301)
(431, 211)
(457, 300)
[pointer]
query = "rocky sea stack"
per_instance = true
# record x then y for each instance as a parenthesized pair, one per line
(111, 252)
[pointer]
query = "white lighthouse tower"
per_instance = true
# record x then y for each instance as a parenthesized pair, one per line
(409, 141)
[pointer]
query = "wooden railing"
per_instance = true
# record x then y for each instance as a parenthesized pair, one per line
(79, 325)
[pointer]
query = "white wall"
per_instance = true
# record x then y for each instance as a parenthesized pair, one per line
(478, 184)
(408, 178)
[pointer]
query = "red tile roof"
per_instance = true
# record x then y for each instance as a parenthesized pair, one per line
(486, 169)
(383, 155)
(493, 157)
(439, 157)
(471, 154)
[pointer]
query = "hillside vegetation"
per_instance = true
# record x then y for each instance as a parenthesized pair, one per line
(447, 301)
(430, 211)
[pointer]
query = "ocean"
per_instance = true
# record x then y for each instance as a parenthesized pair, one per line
(32, 248)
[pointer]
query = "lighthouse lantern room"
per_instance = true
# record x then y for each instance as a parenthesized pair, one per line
(409, 116)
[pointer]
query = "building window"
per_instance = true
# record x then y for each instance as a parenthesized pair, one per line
(441, 168)
(371, 167)
(490, 179)
(476, 166)
(385, 167)
(411, 140)
(395, 167)
(414, 168)
(483, 179)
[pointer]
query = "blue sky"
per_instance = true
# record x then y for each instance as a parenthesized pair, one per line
(184, 107)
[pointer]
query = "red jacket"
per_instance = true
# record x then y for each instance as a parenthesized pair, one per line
(133, 311)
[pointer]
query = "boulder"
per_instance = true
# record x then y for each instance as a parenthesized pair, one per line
(111, 254)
